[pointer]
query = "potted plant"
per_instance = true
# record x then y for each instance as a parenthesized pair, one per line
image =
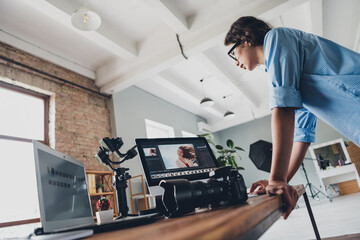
(227, 154)
(99, 187)
(104, 214)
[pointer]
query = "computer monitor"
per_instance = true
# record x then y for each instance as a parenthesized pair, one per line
(173, 158)
(64, 200)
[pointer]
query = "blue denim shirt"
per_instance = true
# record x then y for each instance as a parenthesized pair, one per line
(317, 77)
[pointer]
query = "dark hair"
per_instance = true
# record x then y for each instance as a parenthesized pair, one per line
(248, 29)
(188, 152)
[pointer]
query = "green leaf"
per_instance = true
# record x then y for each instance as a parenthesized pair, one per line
(240, 168)
(221, 152)
(240, 149)
(229, 151)
(219, 147)
(208, 136)
(230, 143)
(211, 142)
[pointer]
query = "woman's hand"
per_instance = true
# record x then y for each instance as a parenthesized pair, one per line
(260, 186)
(289, 193)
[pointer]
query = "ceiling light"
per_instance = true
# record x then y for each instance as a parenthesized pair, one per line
(205, 102)
(85, 19)
(228, 114)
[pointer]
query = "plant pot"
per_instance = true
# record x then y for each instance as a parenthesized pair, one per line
(99, 190)
(105, 216)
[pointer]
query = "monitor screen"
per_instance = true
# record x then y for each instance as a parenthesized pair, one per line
(63, 195)
(170, 158)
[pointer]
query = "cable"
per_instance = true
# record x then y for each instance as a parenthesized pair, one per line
(181, 48)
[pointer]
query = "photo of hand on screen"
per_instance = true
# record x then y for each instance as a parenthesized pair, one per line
(186, 157)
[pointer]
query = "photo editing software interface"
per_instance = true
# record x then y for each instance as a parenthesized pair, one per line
(169, 158)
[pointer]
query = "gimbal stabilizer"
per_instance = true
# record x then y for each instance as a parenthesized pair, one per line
(121, 176)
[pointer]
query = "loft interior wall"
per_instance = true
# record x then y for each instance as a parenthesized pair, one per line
(245, 134)
(131, 107)
(81, 117)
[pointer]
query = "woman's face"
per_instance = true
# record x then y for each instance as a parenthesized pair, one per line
(180, 152)
(246, 56)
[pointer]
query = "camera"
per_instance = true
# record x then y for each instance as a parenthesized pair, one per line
(182, 196)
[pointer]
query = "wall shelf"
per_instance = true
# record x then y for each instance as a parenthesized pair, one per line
(105, 177)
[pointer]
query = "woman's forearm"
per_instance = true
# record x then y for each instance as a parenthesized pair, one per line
(297, 156)
(282, 127)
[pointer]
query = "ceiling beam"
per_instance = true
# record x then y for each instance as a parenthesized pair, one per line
(155, 54)
(12, 39)
(169, 14)
(185, 94)
(120, 46)
(316, 14)
(357, 40)
(225, 77)
(281, 8)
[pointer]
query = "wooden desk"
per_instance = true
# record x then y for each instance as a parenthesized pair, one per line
(246, 221)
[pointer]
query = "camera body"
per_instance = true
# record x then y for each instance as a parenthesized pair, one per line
(182, 196)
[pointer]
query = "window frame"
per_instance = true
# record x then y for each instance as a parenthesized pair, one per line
(46, 100)
(151, 123)
(41, 96)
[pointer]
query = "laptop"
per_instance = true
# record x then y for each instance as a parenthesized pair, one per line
(64, 199)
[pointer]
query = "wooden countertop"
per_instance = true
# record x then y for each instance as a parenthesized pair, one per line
(246, 221)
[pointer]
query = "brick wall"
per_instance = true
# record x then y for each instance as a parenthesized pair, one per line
(82, 118)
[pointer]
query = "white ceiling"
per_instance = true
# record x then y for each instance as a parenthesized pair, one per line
(136, 45)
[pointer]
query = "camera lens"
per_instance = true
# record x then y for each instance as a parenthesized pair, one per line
(181, 196)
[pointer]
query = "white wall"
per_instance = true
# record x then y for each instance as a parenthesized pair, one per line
(131, 106)
(245, 134)
(129, 110)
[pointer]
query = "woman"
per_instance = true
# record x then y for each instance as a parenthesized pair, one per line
(309, 77)
(186, 156)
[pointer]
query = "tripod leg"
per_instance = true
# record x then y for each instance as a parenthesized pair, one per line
(318, 191)
(316, 231)
(311, 190)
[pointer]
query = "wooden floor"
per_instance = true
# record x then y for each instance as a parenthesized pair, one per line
(334, 219)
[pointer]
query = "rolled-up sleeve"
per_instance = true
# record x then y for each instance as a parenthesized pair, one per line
(283, 65)
(305, 124)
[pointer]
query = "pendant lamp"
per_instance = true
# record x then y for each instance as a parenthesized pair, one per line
(85, 19)
(228, 114)
(205, 102)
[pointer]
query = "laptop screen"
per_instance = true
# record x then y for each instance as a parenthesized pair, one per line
(62, 189)
(171, 158)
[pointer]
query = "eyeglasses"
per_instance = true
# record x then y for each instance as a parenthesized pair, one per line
(231, 51)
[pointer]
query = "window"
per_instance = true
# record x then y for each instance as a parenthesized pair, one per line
(24, 116)
(187, 134)
(158, 130)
